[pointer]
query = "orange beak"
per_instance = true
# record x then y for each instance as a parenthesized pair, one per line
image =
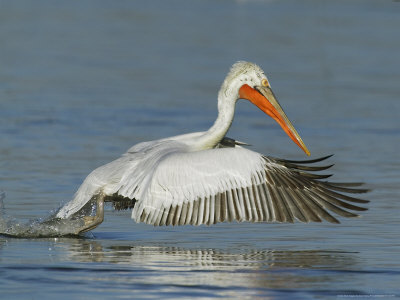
(264, 99)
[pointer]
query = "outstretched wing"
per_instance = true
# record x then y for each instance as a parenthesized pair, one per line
(229, 184)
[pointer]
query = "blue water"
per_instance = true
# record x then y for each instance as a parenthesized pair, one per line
(82, 81)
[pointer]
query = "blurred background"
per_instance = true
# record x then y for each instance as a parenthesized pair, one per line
(82, 81)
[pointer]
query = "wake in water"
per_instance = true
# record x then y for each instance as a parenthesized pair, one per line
(50, 226)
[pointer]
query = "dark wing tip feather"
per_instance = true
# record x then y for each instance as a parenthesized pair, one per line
(344, 188)
(348, 184)
(309, 161)
(324, 196)
(305, 168)
(315, 176)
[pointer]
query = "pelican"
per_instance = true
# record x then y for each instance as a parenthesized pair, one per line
(206, 177)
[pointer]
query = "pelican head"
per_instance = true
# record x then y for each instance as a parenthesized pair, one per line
(248, 81)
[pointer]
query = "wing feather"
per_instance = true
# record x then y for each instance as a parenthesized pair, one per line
(189, 212)
(195, 212)
(163, 213)
(182, 219)
(270, 203)
(212, 211)
(232, 209)
(224, 208)
(264, 205)
(217, 209)
(160, 213)
(178, 212)
(309, 213)
(257, 202)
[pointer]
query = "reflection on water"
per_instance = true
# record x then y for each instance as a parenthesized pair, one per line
(250, 268)
(128, 269)
(86, 250)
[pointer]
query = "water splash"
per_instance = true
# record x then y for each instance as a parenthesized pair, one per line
(50, 226)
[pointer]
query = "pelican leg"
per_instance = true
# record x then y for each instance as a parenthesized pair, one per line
(91, 222)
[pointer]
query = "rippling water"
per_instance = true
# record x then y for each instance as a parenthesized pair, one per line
(81, 82)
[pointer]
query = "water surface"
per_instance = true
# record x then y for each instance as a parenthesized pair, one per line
(81, 82)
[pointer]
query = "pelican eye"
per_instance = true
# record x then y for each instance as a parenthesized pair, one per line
(265, 82)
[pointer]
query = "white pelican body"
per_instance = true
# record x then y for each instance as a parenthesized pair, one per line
(205, 178)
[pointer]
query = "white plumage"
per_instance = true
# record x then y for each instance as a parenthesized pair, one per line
(205, 178)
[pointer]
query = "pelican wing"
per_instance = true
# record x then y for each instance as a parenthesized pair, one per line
(229, 184)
